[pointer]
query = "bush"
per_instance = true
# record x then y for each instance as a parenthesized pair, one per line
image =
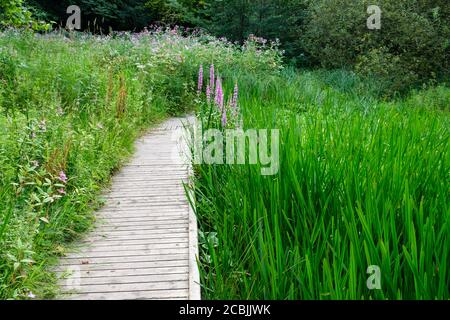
(411, 48)
(13, 13)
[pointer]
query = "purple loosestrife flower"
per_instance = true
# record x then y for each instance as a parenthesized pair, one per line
(219, 94)
(208, 94)
(200, 80)
(235, 96)
(211, 77)
(224, 117)
(62, 177)
(216, 94)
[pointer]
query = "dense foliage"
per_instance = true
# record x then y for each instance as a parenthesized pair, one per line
(70, 111)
(412, 46)
(361, 183)
(411, 49)
(15, 13)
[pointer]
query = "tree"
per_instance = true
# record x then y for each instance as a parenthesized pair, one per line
(411, 48)
(270, 19)
(105, 14)
(14, 13)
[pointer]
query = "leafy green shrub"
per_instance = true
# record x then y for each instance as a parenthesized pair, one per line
(412, 47)
(14, 13)
(8, 72)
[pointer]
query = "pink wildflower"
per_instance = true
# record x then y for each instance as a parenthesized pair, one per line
(235, 96)
(211, 77)
(224, 117)
(208, 94)
(63, 177)
(61, 191)
(219, 94)
(200, 80)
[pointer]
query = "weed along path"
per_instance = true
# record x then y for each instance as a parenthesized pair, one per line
(145, 243)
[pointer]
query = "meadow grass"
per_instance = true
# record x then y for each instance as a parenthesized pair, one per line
(362, 182)
(71, 107)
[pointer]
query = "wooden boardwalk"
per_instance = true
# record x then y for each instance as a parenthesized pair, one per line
(145, 243)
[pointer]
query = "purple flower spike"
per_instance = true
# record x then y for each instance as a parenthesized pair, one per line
(219, 94)
(200, 80)
(224, 118)
(235, 96)
(211, 77)
(208, 94)
(63, 177)
(216, 95)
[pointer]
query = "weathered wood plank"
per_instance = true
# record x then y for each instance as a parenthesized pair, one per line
(130, 272)
(124, 265)
(129, 279)
(128, 250)
(134, 295)
(109, 244)
(94, 238)
(173, 230)
(137, 220)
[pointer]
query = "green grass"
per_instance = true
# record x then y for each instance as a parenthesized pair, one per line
(56, 117)
(76, 103)
(361, 182)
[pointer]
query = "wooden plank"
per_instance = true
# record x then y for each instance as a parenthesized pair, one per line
(142, 212)
(113, 243)
(133, 295)
(124, 265)
(150, 286)
(105, 237)
(109, 260)
(122, 280)
(157, 230)
(116, 205)
(134, 247)
(87, 273)
(137, 220)
(144, 227)
(125, 254)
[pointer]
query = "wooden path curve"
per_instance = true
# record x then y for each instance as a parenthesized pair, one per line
(145, 243)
